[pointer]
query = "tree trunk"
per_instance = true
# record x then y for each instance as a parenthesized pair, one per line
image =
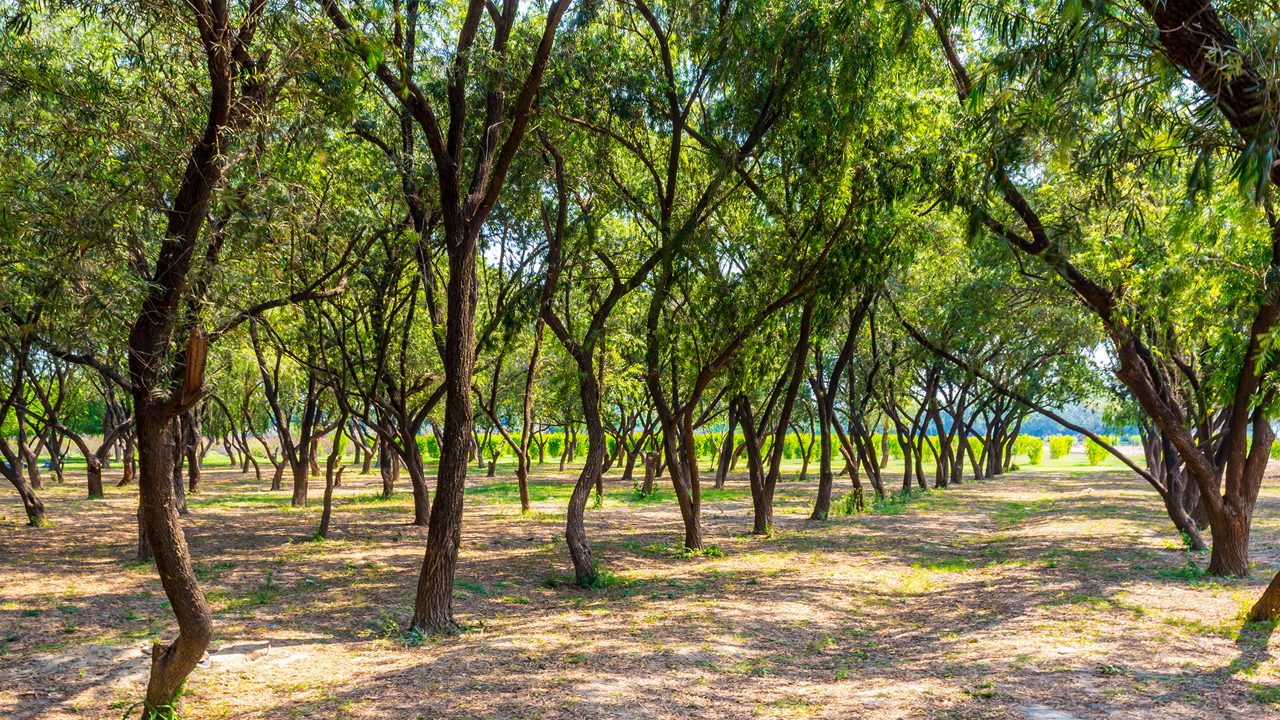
(30, 501)
(332, 474)
(650, 472)
(93, 471)
(1268, 606)
(170, 664)
(826, 479)
(301, 475)
(388, 468)
(575, 533)
(1230, 532)
(191, 442)
(128, 467)
(433, 605)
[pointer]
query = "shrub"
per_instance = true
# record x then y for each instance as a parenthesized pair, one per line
(555, 444)
(1096, 452)
(1060, 446)
(1275, 449)
(895, 447)
(423, 446)
(1031, 446)
(433, 446)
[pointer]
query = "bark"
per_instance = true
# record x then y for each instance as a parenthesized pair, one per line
(433, 605)
(332, 475)
(726, 447)
(12, 471)
(388, 468)
(191, 447)
(170, 664)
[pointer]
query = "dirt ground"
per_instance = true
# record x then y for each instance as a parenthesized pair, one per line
(1020, 597)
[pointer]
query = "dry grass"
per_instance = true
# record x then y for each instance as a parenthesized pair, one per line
(974, 602)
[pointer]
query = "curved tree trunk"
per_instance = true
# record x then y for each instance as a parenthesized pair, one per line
(575, 533)
(172, 663)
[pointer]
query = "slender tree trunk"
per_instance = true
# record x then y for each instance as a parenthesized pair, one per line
(191, 442)
(726, 447)
(332, 474)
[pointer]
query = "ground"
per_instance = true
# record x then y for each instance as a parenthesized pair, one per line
(1059, 590)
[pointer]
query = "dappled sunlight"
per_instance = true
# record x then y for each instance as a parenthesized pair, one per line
(1066, 591)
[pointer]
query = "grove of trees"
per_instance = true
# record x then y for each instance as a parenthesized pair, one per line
(675, 240)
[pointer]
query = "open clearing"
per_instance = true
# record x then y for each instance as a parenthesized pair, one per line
(1006, 598)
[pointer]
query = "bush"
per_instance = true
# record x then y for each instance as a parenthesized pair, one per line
(555, 444)
(1096, 452)
(1275, 449)
(1060, 446)
(429, 445)
(1031, 446)
(895, 447)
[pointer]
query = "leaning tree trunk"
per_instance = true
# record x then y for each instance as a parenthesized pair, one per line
(172, 663)
(332, 475)
(575, 533)
(417, 477)
(30, 501)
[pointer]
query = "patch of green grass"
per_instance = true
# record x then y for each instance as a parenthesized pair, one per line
(638, 495)
(954, 564)
(1267, 694)
(1016, 513)
(711, 551)
(470, 587)
(984, 690)
(1188, 572)
(265, 499)
(510, 491)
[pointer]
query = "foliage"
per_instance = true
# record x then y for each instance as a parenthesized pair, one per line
(1060, 446)
(1095, 452)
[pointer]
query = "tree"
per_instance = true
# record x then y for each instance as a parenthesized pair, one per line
(464, 205)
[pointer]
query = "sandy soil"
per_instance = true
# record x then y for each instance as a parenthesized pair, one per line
(1020, 597)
